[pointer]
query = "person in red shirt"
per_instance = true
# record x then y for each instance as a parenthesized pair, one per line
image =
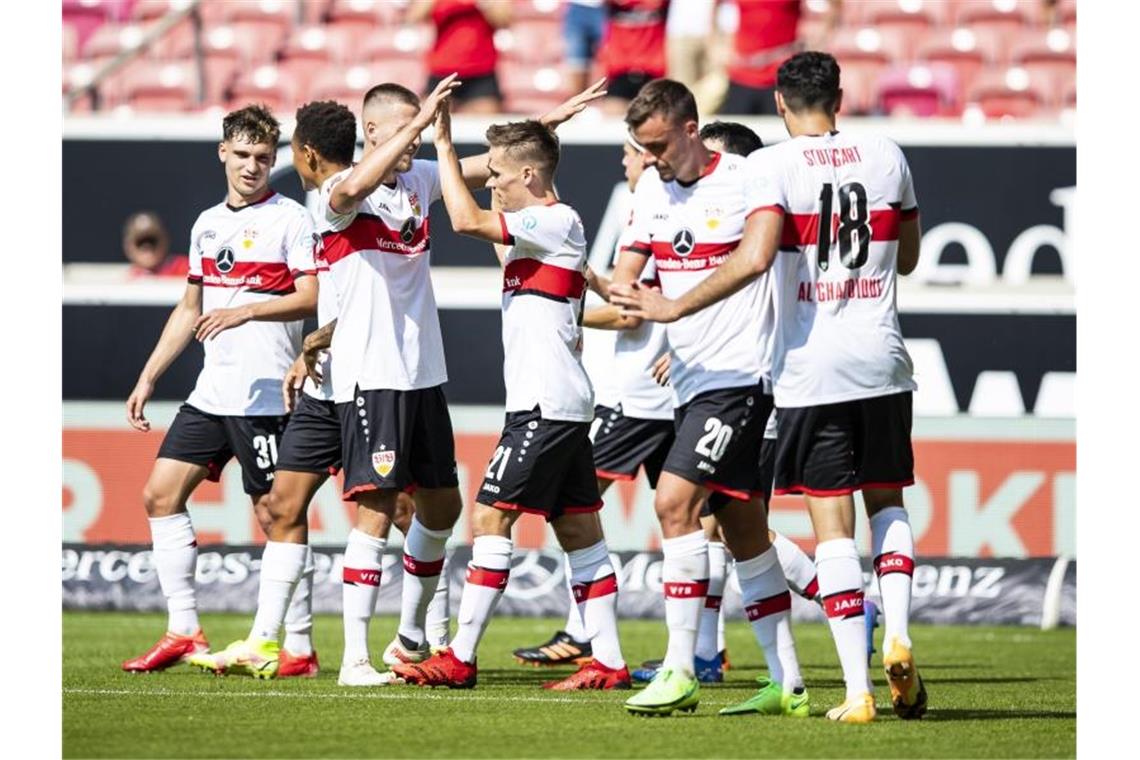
(465, 45)
(146, 245)
(633, 49)
(766, 36)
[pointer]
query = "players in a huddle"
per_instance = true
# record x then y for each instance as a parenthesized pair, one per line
(755, 312)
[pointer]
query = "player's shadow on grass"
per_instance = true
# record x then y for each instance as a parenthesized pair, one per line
(950, 714)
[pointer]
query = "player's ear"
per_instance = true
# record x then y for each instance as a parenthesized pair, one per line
(222, 151)
(838, 100)
(781, 106)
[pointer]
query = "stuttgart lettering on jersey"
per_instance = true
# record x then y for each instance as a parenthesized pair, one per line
(832, 156)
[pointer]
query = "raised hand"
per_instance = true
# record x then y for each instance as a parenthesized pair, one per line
(431, 104)
(575, 105)
(442, 134)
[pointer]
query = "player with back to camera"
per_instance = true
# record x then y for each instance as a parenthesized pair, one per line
(543, 463)
(251, 272)
(842, 375)
(387, 364)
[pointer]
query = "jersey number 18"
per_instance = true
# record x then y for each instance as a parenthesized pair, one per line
(854, 226)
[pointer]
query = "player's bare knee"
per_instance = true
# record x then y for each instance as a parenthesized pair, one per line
(438, 508)
(876, 499)
(489, 521)
(578, 531)
(404, 512)
(160, 502)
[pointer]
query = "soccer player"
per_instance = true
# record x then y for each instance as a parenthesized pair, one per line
(324, 141)
(841, 371)
(387, 365)
(690, 208)
(543, 463)
(251, 272)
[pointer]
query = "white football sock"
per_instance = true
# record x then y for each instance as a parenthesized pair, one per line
(437, 625)
(595, 593)
(707, 644)
(574, 627)
(424, 551)
(361, 587)
(729, 569)
(841, 584)
(797, 566)
(768, 605)
(282, 565)
(892, 546)
(685, 576)
(487, 577)
(175, 555)
(299, 616)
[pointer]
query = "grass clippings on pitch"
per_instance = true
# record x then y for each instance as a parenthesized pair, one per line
(994, 692)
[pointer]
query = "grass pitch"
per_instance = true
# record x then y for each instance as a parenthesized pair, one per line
(994, 692)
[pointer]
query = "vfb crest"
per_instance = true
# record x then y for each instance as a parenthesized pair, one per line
(383, 462)
(684, 242)
(224, 260)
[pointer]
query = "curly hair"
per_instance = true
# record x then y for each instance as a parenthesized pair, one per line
(527, 141)
(329, 128)
(734, 136)
(809, 81)
(255, 123)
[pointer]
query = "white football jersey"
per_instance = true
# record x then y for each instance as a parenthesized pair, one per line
(690, 230)
(243, 256)
(328, 307)
(387, 334)
(834, 284)
(635, 351)
(543, 288)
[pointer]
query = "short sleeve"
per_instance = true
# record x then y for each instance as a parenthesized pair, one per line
(537, 228)
(763, 183)
(194, 274)
(427, 175)
(299, 243)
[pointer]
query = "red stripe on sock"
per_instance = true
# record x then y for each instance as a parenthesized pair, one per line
(812, 589)
(482, 576)
(712, 602)
(595, 589)
(365, 577)
(771, 605)
(845, 604)
(893, 562)
(686, 589)
(422, 568)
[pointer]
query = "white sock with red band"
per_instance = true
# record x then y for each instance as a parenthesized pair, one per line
(768, 605)
(437, 624)
(797, 566)
(841, 585)
(424, 551)
(487, 577)
(361, 587)
(282, 565)
(685, 575)
(595, 592)
(892, 546)
(175, 556)
(707, 644)
(299, 616)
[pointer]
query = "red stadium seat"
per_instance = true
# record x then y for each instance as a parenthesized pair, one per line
(265, 84)
(530, 105)
(384, 43)
(279, 13)
(322, 43)
(249, 43)
(212, 11)
(410, 72)
(533, 42)
(70, 42)
(966, 50)
(858, 91)
(870, 45)
(344, 84)
(112, 39)
(919, 90)
(1067, 12)
(365, 13)
(531, 10)
(1002, 17)
(314, 11)
(162, 87)
(1010, 92)
(1045, 51)
(908, 16)
(520, 81)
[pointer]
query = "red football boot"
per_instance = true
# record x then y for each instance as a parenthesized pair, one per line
(291, 665)
(171, 649)
(441, 669)
(593, 675)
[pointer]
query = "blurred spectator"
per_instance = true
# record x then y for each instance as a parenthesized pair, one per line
(687, 40)
(633, 51)
(147, 246)
(464, 43)
(766, 35)
(583, 24)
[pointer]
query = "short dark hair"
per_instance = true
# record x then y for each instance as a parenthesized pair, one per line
(809, 81)
(734, 136)
(138, 215)
(527, 141)
(255, 122)
(391, 91)
(667, 97)
(329, 128)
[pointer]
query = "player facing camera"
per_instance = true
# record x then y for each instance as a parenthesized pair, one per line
(521, 162)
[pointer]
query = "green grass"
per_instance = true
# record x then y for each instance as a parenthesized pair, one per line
(994, 692)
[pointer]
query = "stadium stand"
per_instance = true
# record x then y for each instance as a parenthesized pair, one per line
(1004, 58)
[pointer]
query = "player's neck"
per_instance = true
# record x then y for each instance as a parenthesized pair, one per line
(236, 200)
(546, 198)
(810, 124)
(327, 170)
(701, 159)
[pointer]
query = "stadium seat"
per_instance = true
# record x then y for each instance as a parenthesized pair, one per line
(535, 42)
(279, 13)
(858, 91)
(264, 84)
(385, 43)
(212, 11)
(314, 11)
(531, 10)
(322, 43)
(922, 89)
(70, 42)
(1012, 92)
(344, 84)
(160, 83)
(530, 105)
(1045, 51)
(1004, 17)
(1067, 12)
(869, 44)
(410, 72)
(520, 81)
(907, 16)
(112, 39)
(365, 13)
(249, 43)
(969, 52)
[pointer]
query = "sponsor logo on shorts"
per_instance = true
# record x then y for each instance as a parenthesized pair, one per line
(706, 466)
(490, 488)
(383, 462)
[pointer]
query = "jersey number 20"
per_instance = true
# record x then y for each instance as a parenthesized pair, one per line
(854, 226)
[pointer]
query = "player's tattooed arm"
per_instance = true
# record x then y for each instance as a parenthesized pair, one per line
(910, 241)
(750, 259)
(467, 218)
(301, 303)
(176, 335)
(367, 175)
(315, 342)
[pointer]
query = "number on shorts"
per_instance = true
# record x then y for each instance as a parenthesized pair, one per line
(714, 442)
(500, 457)
(266, 447)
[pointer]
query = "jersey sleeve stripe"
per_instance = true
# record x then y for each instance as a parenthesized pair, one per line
(909, 213)
(194, 279)
(530, 276)
(776, 208)
(508, 239)
(643, 249)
